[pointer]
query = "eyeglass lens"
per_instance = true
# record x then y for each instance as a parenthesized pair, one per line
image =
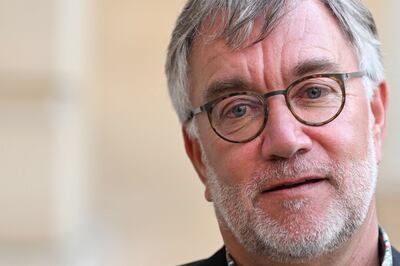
(312, 101)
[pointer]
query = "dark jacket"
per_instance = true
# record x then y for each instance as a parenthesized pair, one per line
(219, 259)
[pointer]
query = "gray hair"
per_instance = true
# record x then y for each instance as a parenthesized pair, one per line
(238, 17)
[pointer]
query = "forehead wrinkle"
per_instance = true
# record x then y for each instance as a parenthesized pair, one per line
(270, 68)
(320, 31)
(220, 81)
(292, 26)
(262, 68)
(200, 47)
(305, 30)
(211, 34)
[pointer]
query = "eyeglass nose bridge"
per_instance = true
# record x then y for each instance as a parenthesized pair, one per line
(274, 93)
(264, 98)
(270, 94)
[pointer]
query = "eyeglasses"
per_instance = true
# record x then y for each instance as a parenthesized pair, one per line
(313, 100)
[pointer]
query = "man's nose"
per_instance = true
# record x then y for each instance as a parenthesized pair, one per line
(283, 136)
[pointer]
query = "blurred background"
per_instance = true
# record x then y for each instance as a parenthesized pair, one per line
(92, 164)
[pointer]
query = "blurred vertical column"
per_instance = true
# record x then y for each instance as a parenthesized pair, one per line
(43, 133)
(70, 192)
(68, 113)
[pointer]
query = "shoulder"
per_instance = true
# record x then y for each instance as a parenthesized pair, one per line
(218, 259)
(396, 257)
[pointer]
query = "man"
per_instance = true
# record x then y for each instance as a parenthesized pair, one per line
(283, 107)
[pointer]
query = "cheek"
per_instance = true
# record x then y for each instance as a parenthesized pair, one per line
(234, 163)
(346, 137)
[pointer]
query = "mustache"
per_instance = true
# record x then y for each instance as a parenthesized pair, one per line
(297, 166)
(294, 167)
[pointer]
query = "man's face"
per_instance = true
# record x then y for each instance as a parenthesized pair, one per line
(294, 191)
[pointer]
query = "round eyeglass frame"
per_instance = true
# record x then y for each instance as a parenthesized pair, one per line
(340, 78)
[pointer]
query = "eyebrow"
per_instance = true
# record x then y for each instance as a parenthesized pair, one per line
(314, 66)
(237, 84)
(221, 87)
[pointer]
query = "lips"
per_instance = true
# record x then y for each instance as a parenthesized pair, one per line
(293, 183)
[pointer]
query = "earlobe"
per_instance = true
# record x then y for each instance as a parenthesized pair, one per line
(379, 103)
(194, 151)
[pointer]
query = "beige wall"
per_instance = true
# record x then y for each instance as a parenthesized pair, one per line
(93, 166)
(389, 181)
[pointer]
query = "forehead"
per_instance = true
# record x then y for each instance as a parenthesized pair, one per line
(306, 31)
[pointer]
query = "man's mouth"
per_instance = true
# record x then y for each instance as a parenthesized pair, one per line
(292, 184)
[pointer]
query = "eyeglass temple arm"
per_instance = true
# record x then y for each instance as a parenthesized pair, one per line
(354, 75)
(194, 112)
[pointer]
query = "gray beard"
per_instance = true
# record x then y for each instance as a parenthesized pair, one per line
(303, 234)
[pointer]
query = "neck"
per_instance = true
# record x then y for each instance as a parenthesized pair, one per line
(360, 249)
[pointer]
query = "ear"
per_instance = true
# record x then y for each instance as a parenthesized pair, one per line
(379, 104)
(194, 152)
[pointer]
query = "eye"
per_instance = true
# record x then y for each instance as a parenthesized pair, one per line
(241, 111)
(314, 92)
(237, 111)
(237, 108)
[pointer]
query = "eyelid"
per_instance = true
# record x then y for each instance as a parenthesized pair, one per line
(247, 101)
(323, 81)
(243, 100)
